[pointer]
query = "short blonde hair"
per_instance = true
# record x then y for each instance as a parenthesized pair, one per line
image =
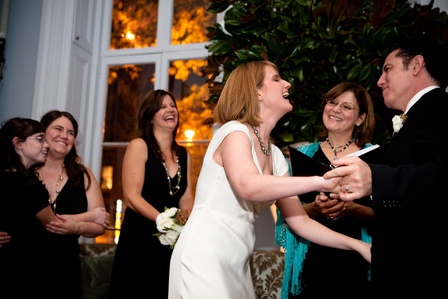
(239, 97)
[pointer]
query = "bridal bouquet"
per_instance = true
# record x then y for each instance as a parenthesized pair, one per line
(170, 225)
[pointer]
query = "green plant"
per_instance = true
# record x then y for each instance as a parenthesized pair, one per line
(316, 45)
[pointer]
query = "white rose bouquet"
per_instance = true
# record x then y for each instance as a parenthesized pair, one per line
(398, 121)
(169, 224)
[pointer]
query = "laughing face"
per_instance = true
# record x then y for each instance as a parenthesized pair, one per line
(167, 116)
(274, 92)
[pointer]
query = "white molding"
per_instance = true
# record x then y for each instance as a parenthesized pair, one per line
(90, 122)
(4, 17)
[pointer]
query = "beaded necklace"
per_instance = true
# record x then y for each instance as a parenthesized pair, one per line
(59, 179)
(340, 148)
(175, 189)
(267, 152)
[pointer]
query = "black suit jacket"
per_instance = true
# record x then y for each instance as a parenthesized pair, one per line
(409, 201)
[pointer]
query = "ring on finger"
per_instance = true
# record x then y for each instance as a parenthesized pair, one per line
(346, 188)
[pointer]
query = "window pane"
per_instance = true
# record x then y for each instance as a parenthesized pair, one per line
(191, 90)
(127, 85)
(190, 20)
(110, 183)
(134, 24)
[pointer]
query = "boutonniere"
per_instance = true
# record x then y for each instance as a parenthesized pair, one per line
(398, 121)
(170, 224)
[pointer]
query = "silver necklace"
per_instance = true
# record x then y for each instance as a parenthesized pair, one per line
(340, 148)
(267, 152)
(175, 189)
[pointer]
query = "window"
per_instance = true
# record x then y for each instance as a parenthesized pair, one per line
(153, 44)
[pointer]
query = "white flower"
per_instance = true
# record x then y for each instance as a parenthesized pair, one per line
(398, 121)
(169, 227)
(171, 212)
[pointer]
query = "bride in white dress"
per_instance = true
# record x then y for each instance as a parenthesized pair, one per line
(242, 173)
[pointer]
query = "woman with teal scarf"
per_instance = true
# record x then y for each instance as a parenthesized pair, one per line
(311, 270)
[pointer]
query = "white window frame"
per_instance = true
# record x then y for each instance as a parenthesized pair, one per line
(75, 37)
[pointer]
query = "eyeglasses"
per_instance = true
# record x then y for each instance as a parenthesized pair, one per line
(40, 138)
(344, 106)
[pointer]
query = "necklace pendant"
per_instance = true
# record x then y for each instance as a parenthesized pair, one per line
(175, 189)
(340, 148)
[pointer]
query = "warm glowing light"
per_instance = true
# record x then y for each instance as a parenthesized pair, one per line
(189, 134)
(107, 177)
(130, 36)
(118, 213)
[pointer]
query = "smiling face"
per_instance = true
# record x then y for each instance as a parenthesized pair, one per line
(33, 149)
(60, 136)
(273, 93)
(167, 116)
(337, 119)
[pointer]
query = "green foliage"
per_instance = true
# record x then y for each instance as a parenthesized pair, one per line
(316, 44)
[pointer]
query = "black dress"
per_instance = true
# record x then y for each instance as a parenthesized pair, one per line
(141, 264)
(22, 198)
(60, 269)
(326, 270)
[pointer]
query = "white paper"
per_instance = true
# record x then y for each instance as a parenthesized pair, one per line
(363, 151)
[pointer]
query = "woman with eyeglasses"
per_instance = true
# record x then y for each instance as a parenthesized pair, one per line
(312, 270)
(24, 205)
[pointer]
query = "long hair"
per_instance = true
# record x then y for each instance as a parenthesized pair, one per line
(151, 104)
(22, 128)
(364, 132)
(239, 97)
(72, 161)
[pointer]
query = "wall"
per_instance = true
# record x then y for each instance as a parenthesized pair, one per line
(22, 40)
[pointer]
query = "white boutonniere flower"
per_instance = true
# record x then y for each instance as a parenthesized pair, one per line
(398, 121)
(169, 225)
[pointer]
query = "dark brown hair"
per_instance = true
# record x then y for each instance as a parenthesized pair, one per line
(152, 102)
(73, 163)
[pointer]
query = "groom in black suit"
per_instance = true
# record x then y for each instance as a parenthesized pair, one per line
(408, 184)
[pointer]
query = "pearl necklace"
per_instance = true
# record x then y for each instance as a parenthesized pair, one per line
(340, 148)
(267, 152)
(59, 179)
(175, 189)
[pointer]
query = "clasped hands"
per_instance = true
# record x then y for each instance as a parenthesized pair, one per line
(330, 208)
(355, 178)
(66, 225)
(4, 238)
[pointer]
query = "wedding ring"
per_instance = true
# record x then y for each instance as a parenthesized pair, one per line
(346, 188)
